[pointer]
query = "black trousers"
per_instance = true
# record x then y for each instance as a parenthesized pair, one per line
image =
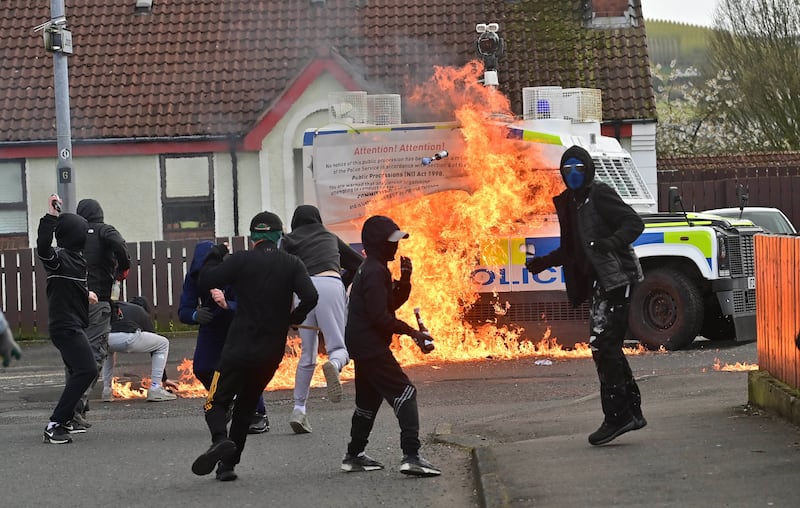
(377, 379)
(81, 370)
(244, 383)
(619, 393)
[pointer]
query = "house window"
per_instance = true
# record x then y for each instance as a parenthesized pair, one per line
(13, 209)
(609, 13)
(187, 196)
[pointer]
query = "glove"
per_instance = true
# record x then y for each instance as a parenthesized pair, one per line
(602, 245)
(219, 250)
(9, 348)
(536, 264)
(202, 316)
(405, 269)
(424, 341)
(123, 275)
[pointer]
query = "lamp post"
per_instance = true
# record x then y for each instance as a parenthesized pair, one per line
(58, 40)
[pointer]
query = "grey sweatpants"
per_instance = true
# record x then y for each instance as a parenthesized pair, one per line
(329, 316)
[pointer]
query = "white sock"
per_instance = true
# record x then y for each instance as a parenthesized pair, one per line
(302, 408)
(154, 385)
(50, 425)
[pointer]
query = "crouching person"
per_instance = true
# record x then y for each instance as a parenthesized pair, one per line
(133, 331)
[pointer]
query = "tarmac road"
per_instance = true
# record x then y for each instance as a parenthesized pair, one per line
(505, 433)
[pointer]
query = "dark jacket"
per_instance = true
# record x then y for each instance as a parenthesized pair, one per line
(105, 251)
(210, 336)
(374, 298)
(319, 249)
(67, 293)
(129, 317)
(264, 280)
(602, 215)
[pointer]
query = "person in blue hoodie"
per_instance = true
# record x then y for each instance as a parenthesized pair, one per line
(213, 311)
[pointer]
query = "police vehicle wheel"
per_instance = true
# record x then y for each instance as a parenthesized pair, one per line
(666, 310)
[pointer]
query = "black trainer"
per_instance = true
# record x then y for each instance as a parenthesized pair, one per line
(221, 450)
(258, 424)
(80, 419)
(360, 462)
(56, 435)
(417, 466)
(609, 432)
(225, 472)
(74, 427)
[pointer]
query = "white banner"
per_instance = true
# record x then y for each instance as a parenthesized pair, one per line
(352, 167)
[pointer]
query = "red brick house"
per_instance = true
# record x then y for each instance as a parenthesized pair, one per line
(187, 115)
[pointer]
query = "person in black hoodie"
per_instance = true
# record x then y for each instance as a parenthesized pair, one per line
(371, 323)
(597, 229)
(265, 280)
(213, 311)
(325, 255)
(68, 312)
(107, 260)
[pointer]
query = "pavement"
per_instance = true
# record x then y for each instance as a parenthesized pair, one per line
(704, 445)
(523, 425)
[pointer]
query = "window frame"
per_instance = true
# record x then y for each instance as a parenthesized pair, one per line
(169, 204)
(18, 205)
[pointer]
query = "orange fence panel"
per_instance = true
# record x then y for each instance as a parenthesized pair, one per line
(778, 306)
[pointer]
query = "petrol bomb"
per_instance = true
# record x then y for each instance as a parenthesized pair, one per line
(437, 156)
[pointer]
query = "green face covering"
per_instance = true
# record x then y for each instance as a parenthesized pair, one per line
(270, 236)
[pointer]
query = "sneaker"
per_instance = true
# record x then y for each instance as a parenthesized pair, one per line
(332, 380)
(221, 450)
(360, 462)
(73, 427)
(81, 420)
(159, 394)
(108, 395)
(299, 422)
(56, 435)
(418, 466)
(225, 472)
(258, 425)
(609, 432)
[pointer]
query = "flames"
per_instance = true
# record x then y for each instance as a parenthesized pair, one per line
(452, 231)
(736, 367)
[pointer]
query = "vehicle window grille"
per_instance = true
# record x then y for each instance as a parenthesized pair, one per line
(619, 173)
(744, 301)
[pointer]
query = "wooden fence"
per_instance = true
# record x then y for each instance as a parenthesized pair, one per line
(778, 306)
(157, 273)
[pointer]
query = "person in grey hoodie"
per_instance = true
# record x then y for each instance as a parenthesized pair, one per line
(107, 260)
(325, 255)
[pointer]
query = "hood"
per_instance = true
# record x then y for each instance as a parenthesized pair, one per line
(90, 210)
(305, 214)
(71, 231)
(198, 258)
(380, 236)
(581, 155)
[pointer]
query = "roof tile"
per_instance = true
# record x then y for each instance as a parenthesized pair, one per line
(168, 73)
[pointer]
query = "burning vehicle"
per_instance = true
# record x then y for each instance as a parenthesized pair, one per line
(482, 203)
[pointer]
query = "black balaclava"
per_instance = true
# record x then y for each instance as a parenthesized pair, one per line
(577, 168)
(90, 210)
(71, 231)
(379, 236)
(305, 214)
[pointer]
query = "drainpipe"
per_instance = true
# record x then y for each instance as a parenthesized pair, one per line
(235, 176)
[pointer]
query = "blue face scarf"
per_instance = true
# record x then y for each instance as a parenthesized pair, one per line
(573, 171)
